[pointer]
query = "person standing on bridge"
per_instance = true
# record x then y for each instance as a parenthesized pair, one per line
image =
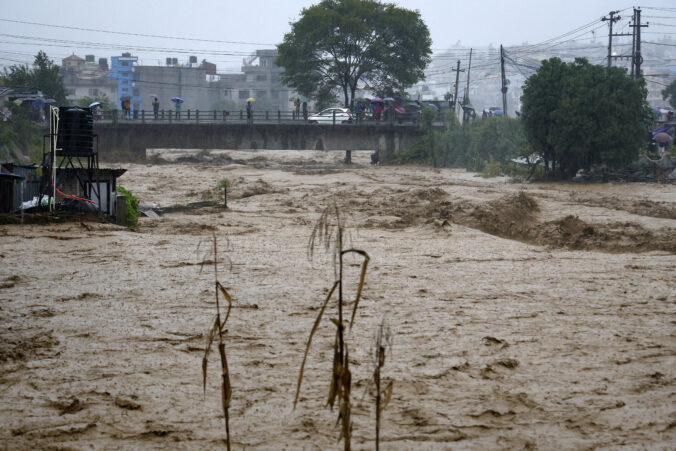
(156, 107)
(249, 112)
(305, 110)
(178, 110)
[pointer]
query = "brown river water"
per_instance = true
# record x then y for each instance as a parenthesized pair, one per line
(523, 316)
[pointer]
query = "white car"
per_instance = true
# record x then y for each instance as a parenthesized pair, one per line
(343, 116)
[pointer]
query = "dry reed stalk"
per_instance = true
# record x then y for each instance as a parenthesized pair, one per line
(383, 342)
(329, 232)
(219, 328)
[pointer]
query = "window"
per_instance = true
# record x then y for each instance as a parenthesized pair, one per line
(125, 63)
(261, 77)
(93, 92)
(243, 95)
(227, 93)
(137, 92)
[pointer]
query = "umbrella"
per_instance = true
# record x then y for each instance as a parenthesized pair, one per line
(152, 95)
(304, 99)
(177, 99)
(433, 106)
(663, 138)
(250, 99)
(93, 104)
(376, 99)
(50, 101)
(388, 99)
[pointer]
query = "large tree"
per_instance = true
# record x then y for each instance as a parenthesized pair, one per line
(338, 43)
(670, 93)
(578, 114)
(43, 75)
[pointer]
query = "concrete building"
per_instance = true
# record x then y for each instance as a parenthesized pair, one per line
(166, 82)
(122, 69)
(72, 63)
(262, 82)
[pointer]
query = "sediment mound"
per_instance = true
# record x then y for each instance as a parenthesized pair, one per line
(514, 216)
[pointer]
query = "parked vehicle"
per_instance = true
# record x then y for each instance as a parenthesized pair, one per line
(343, 116)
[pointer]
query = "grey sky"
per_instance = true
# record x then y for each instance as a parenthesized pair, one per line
(262, 23)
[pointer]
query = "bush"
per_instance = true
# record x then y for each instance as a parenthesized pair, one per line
(133, 211)
(491, 169)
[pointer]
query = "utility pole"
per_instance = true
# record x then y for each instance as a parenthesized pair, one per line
(612, 19)
(504, 80)
(469, 69)
(457, 82)
(633, 46)
(465, 114)
(637, 60)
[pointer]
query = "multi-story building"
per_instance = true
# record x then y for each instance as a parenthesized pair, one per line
(122, 69)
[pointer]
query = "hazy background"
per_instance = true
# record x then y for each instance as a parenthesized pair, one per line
(242, 27)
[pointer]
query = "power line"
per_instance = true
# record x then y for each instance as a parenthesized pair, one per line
(134, 34)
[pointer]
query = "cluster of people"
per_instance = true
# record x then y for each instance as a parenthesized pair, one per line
(297, 107)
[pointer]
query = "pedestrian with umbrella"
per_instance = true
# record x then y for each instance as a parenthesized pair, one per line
(249, 110)
(177, 101)
(663, 140)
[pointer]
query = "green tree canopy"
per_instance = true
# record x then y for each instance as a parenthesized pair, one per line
(44, 75)
(670, 93)
(577, 115)
(338, 43)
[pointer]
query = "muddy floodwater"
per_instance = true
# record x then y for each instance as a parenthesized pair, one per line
(523, 316)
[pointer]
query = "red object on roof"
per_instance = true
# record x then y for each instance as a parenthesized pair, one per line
(209, 68)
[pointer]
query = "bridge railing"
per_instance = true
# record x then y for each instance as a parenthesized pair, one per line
(241, 117)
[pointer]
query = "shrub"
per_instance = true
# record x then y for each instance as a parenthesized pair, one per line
(133, 211)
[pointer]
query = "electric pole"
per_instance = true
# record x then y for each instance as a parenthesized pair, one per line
(465, 100)
(637, 60)
(504, 80)
(612, 19)
(469, 69)
(457, 82)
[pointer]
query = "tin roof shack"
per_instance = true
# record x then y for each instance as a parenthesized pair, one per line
(71, 183)
(17, 184)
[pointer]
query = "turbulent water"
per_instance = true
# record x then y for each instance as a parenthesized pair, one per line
(523, 316)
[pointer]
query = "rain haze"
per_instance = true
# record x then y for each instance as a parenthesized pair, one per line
(242, 27)
(485, 260)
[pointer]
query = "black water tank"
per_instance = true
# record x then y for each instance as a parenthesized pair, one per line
(75, 133)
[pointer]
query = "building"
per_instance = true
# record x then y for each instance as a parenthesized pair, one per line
(72, 63)
(122, 69)
(189, 82)
(260, 81)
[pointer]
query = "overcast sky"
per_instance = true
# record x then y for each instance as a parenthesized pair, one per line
(242, 27)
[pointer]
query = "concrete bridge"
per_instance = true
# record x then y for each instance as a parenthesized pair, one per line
(135, 138)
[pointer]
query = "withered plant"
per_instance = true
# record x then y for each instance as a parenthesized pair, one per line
(330, 232)
(218, 330)
(383, 343)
